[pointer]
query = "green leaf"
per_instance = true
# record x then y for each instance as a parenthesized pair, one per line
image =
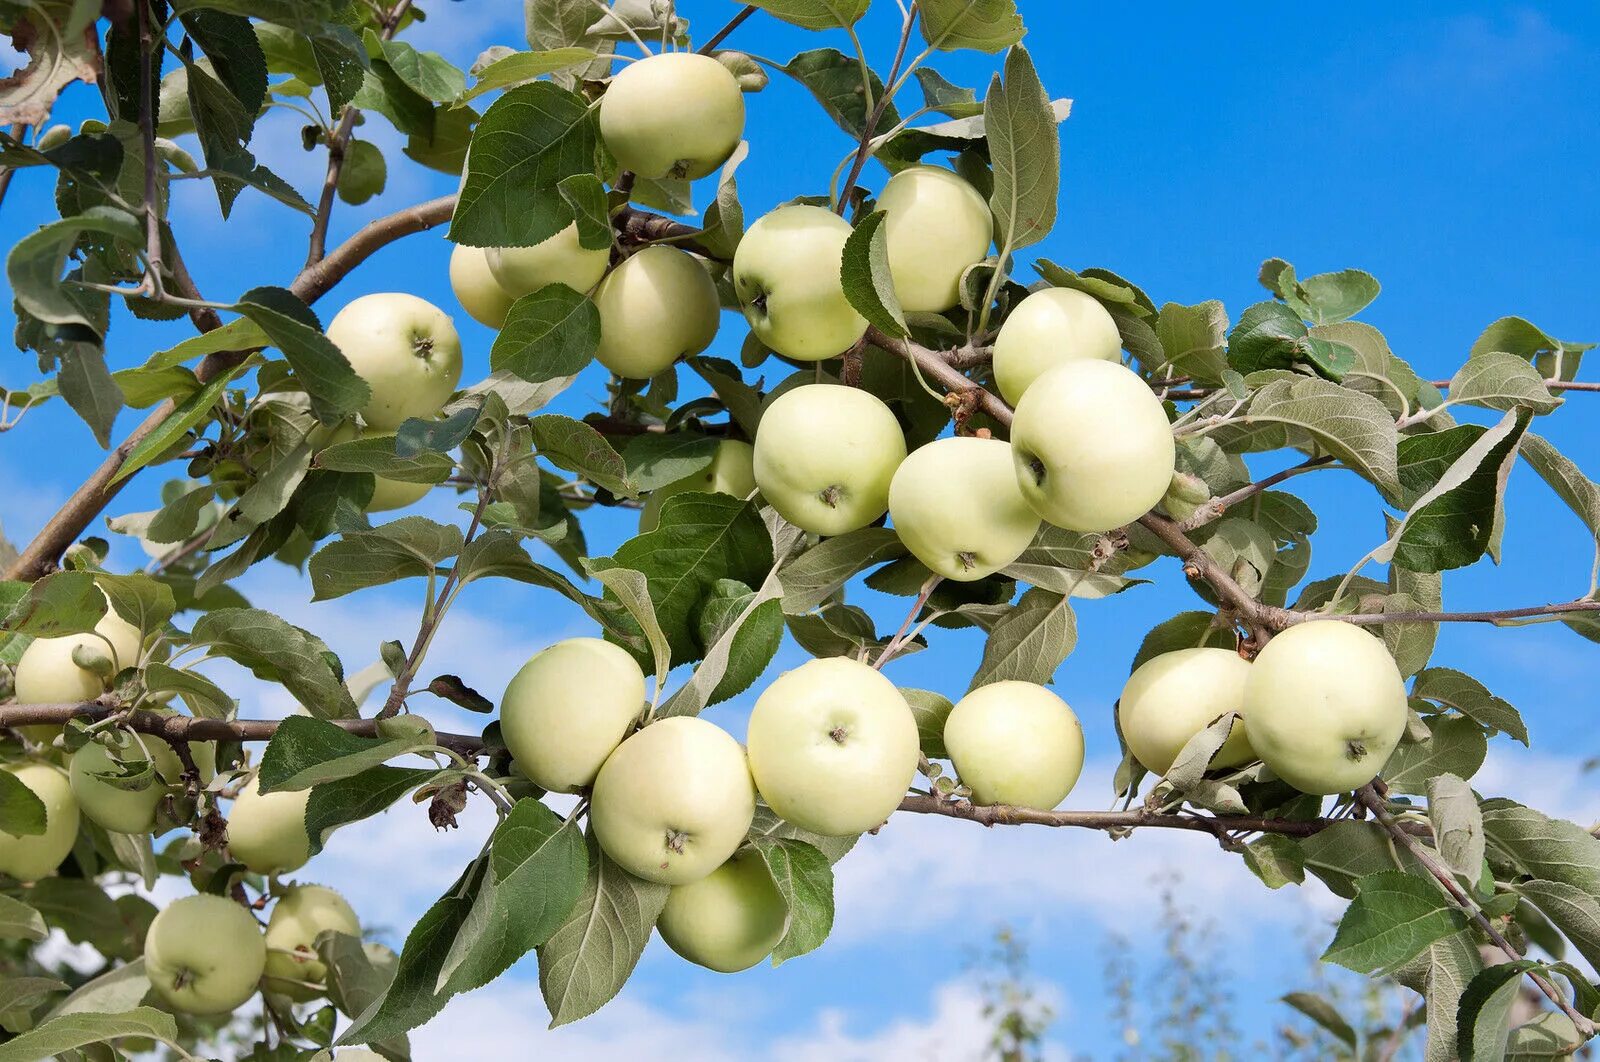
(333, 804)
(739, 629)
(380, 456)
(1394, 917)
(364, 172)
(986, 25)
(190, 412)
(1030, 642)
(68, 1032)
(1502, 381)
(1268, 336)
(549, 334)
(235, 53)
(1327, 298)
(632, 589)
(88, 387)
(584, 193)
(18, 921)
(1457, 746)
(1573, 911)
(659, 459)
(139, 599)
(204, 698)
(520, 67)
(816, 14)
(1194, 339)
(410, 547)
(322, 369)
(22, 813)
(60, 603)
(1276, 860)
(835, 80)
(429, 74)
(305, 752)
(1457, 824)
(588, 959)
(818, 573)
(950, 100)
(1324, 1013)
(276, 651)
(1483, 1021)
(1553, 849)
(24, 994)
(36, 263)
(576, 447)
(1024, 144)
(1579, 492)
(238, 334)
(805, 881)
(864, 271)
(1471, 698)
(931, 710)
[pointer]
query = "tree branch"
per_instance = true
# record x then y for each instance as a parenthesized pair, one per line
(1217, 506)
(317, 279)
(870, 126)
(722, 34)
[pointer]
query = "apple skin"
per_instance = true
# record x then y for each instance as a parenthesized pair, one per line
(300, 914)
(956, 505)
(1325, 706)
(267, 833)
(1051, 328)
(729, 920)
(45, 673)
(937, 225)
(1015, 743)
(655, 307)
(31, 857)
(674, 801)
(204, 954)
(118, 810)
(1174, 696)
(561, 259)
(676, 114)
(825, 455)
(786, 277)
(833, 746)
(732, 471)
(476, 288)
(568, 708)
(1092, 445)
(407, 351)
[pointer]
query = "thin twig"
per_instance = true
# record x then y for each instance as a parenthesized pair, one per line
(6, 172)
(1217, 506)
(153, 283)
(722, 34)
(864, 148)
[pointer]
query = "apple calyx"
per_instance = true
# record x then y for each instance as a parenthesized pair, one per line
(968, 559)
(831, 496)
(1356, 749)
(838, 734)
(676, 840)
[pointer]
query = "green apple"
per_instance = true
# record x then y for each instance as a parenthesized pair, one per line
(390, 494)
(45, 673)
(786, 277)
(655, 307)
(1051, 328)
(116, 809)
(1092, 445)
(729, 920)
(300, 914)
(568, 708)
(33, 856)
(956, 505)
(936, 226)
(476, 288)
(1015, 743)
(267, 832)
(674, 801)
(1325, 705)
(1174, 696)
(833, 746)
(825, 455)
(676, 114)
(731, 471)
(407, 351)
(204, 954)
(561, 259)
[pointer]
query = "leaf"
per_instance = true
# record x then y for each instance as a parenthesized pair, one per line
(380, 456)
(406, 548)
(940, 95)
(60, 603)
(70, 1031)
(322, 369)
(520, 67)
(816, 14)
(805, 881)
(632, 589)
(1573, 911)
(190, 412)
(930, 710)
(1457, 746)
(87, 386)
(1502, 381)
(1324, 1013)
(586, 961)
(238, 334)
(986, 25)
(429, 74)
(1579, 492)
(333, 804)
(1471, 698)
(740, 630)
(1394, 917)
(1030, 642)
(1276, 860)
(305, 752)
(18, 921)
(1024, 144)
(818, 573)
(1327, 298)
(1483, 1022)
(1440, 975)
(62, 46)
(22, 813)
(1193, 339)
(655, 460)
(117, 990)
(864, 271)
(1553, 849)
(835, 80)
(547, 335)
(1195, 757)
(576, 447)
(1457, 824)
(36, 262)
(24, 994)
(276, 651)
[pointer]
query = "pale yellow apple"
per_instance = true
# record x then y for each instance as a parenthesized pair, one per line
(1051, 328)
(786, 277)
(118, 810)
(407, 351)
(267, 832)
(300, 914)
(729, 920)
(825, 455)
(561, 259)
(675, 114)
(936, 226)
(1174, 696)
(657, 306)
(45, 673)
(568, 708)
(30, 857)
(731, 471)
(204, 954)
(1015, 743)
(476, 288)
(956, 505)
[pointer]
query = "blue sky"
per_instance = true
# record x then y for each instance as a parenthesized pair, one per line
(1450, 154)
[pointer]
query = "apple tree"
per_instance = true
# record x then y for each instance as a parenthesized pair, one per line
(869, 393)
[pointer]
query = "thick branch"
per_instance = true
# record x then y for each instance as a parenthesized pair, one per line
(318, 279)
(938, 369)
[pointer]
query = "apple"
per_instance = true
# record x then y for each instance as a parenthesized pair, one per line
(1324, 706)
(476, 288)
(568, 708)
(45, 673)
(1092, 445)
(825, 455)
(560, 259)
(116, 809)
(655, 307)
(833, 746)
(1047, 329)
(267, 832)
(786, 277)
(956, 505)
(731, 471)
(674, 801)
(675, 114)
(407, 351)
(33, 856)
(729, 920)
(1015, 743)
(1174, 696)
(936, 226)
(204, 954)
(301, 913)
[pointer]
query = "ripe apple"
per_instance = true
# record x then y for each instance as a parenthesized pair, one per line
(118, 810)
(1325, 705)
(1015, 743)
(674, 801)
(1174, 696)
(1092, 445)
(300, 914)
(204, 954)
(407, 351)
(45, 673)
(825, 455)
(33, 856)
(729, 920)
(568, 708)
(731, 471)
(833, 746)
(267, 832)
(956, 505)
(675, 114)
(476, 288)
(1051, 328)
(786, 277)
(655, 307)
(561, 259)
(936, 226)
